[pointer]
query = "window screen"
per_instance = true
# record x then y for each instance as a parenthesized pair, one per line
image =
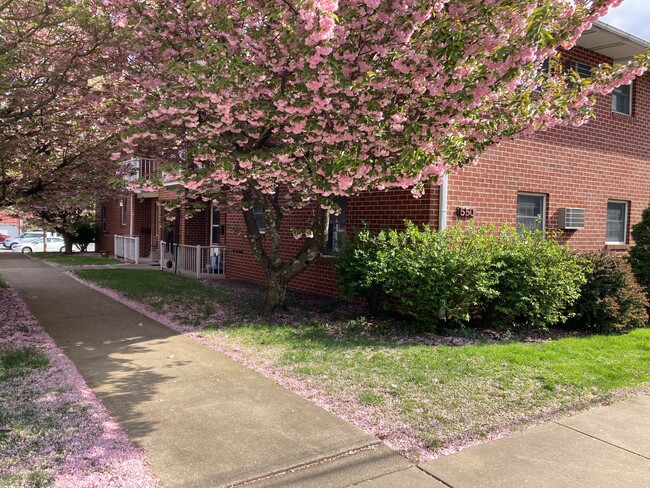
(530, 211)
(616, 222)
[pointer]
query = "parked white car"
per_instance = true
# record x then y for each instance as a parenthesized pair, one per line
(30, 235)
(54, 244)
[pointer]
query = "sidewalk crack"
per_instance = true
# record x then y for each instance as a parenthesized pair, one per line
(600, 440)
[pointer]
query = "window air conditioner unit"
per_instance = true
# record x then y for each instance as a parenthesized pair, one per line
(571, 218)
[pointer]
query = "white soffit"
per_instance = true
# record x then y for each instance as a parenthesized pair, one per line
(612, 42)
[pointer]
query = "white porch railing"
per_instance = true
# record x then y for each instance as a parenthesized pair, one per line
(142, 168)
(196, 260)
(127, 248)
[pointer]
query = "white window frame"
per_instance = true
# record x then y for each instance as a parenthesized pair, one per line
(336, 229)
(123, 211)
(543, 218)
(629, 101)
(625, 213)
(258, 214)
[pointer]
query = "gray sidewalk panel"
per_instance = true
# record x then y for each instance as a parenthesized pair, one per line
(408, 478)
(625, 424)
(549, 456)
(340, 472)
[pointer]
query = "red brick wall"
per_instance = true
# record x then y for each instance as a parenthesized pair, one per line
(379, 209)
(582, 167)
(114, 224)
(143, 222)
(6, 219)
(195, 231)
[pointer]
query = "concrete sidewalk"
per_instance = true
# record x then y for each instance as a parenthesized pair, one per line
(204, 420)
(604, 447)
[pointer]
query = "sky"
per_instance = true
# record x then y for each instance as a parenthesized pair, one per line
(632, 16)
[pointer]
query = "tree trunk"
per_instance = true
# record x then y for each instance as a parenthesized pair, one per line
(68, 240)
(278, 271)
(275, 295)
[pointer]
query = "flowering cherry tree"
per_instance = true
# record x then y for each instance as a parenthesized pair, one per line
(60, 62)
(69, 200)
(292, 103)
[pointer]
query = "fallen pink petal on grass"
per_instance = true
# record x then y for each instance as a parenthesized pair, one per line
(56, 431)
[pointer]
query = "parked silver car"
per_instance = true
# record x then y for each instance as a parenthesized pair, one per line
(54, 244)
(25, 236)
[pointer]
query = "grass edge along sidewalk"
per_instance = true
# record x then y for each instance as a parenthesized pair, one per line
(53, 430)
(60, 259)
(424, 396)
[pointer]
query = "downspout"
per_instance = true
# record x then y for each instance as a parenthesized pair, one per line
(442, 207)
(131, 217)
(442, 222)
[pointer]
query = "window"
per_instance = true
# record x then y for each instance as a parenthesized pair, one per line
(531, 211)
(258, 213)
(102, 218)
(123, 210)
(215, 226)
(546, 66)
(156, 223)
(616, 222)
(336, 228)
(622, 100)
(582, 69)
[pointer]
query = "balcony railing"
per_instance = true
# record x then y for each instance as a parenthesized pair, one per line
(142, 168)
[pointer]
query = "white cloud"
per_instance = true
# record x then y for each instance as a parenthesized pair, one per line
(632, 16)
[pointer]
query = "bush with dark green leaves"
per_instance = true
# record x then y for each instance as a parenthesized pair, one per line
(85, 233)
(610, 300)
(500, 276)
(639, 257)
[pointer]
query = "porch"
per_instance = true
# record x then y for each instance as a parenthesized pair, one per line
(198, 261)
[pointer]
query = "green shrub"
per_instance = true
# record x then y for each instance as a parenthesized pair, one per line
(610, 300)
(361, 269)
(503, 277)
(538, 280)
(85, 232)
(640, 253)
(440, 274)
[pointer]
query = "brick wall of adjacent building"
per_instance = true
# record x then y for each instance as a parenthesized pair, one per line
(112, 224)
(141, 210)
(13, 225)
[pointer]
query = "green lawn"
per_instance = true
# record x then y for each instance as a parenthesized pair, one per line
(447, 393)
(190, 300)
(73, 259)
(440, 395)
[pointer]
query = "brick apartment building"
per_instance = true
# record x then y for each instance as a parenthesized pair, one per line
(590, 182)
